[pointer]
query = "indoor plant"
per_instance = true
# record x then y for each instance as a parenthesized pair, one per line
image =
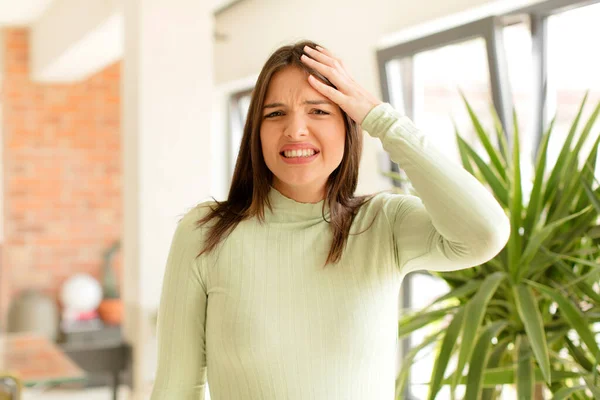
(524, 318)
(111, 307)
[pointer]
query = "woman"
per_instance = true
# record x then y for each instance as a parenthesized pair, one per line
(288, 290)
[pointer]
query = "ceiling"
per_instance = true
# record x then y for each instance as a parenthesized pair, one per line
(21, 12)
(25, 12)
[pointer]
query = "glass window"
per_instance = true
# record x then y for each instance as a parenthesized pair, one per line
(427, 88)
(432, 98)
(573, 65)
(239, 112)
(518, 47)
(439, 76)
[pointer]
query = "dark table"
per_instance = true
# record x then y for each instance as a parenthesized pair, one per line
(101, 353)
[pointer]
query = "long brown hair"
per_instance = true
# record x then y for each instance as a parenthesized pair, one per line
(252, 178)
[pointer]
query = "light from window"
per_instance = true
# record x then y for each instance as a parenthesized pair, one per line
(439, 75)
(573, 68)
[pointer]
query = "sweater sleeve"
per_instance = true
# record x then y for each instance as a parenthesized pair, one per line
(455, 222)
(181, 371)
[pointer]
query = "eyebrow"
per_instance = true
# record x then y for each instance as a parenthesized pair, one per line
(311, 102)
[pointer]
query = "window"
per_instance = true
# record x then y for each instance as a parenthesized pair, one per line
(540, 58)
(518, 45)
(572, 70)
(238, 111)
(437, 100)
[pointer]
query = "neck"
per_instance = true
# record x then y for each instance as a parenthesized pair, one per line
(286, 209)
(304, 194)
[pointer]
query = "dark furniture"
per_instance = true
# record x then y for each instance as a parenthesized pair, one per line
(103, 354)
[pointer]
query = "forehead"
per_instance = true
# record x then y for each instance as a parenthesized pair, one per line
(290, 82)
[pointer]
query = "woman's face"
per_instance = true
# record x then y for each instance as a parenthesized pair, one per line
(302, 135)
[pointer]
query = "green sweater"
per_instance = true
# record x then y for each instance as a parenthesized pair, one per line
(260, 319)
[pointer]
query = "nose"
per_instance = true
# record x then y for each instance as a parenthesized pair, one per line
(297, 127)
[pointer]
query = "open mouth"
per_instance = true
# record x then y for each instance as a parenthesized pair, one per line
(299, 154)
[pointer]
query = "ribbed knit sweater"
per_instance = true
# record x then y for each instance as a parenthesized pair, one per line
(259, 318)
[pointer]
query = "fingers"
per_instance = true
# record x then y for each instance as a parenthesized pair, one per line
(331, 93)
(322, 57)
(333, 73)
(324, 51)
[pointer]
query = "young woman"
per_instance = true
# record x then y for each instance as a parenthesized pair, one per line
(288, 289)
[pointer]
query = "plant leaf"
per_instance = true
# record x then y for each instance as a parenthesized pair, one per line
(411, 323)
(573, 315)
(593, 388)
(501, 136)
(479, 360)
(529, 312)
(461, 291)
(441, 361)
(538, 238)
(474, 312)
(494, 362)
(587, 176)
(506, 376)
(573, 190)
(535, 201)
(587, 128)
(464, 154)
(578, 355)
(594, 200)
(495, 158)
(408, 360)
(516, 206)
(551, 186)
(525, 371)
(566, 392)
(583, 287)
(498, 187)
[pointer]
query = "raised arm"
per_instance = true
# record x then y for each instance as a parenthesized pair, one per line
(455, 222)
(181, 372)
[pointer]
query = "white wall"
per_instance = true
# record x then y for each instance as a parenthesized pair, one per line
(1, 142)
(352, 29)
(167, 90)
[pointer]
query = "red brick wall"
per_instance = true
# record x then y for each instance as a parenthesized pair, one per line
(62, 173)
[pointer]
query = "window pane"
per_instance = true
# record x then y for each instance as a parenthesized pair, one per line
(239, 113)
(517, 45)
(440, 75)
(438, 78)
(573, 65)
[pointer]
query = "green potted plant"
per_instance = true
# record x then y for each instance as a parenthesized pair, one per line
(111, 307)
(529, 317)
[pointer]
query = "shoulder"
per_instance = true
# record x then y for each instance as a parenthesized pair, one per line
(188, 223)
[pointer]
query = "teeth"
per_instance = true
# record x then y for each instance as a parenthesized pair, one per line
(299, 153)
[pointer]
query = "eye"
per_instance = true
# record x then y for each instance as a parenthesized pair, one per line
(320, 112)
(274, 114)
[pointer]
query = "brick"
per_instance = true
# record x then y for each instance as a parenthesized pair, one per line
(62, 173)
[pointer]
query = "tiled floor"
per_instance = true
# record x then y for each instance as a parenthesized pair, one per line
(103, 393)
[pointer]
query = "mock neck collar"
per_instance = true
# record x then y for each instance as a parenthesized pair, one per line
(286, 209)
